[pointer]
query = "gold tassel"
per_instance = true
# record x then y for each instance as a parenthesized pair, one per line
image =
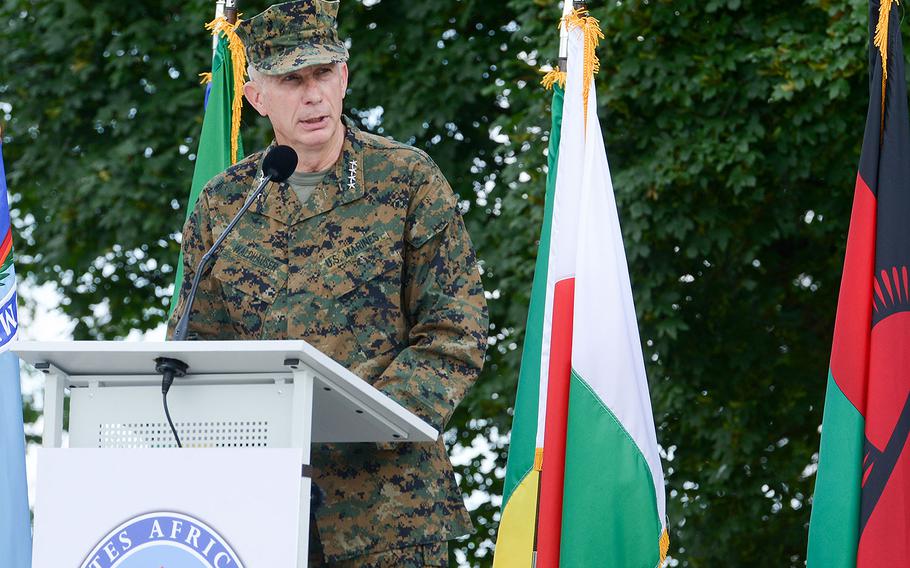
(664, 546)
(881, 42)
(205, 78)
(238, 65)
(553, 77)
(538, 459)
(590, 28)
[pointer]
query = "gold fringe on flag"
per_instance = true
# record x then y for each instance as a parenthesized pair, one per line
(881, 42)
(538, 459)
(664, 547)
(205, 78)
(553, 77)
(238, 66)
(590, 28)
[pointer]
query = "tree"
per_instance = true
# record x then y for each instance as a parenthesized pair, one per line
(733, 130)
(105, 111)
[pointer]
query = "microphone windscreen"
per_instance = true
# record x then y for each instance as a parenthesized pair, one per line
(280, 163)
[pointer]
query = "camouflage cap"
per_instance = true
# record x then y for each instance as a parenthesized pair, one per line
(290, 36)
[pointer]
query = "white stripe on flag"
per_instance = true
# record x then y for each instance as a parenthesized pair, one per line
(563, 236)
(606, 347)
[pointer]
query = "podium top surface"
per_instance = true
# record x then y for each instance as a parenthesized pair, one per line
(99, 358)
(124, 363)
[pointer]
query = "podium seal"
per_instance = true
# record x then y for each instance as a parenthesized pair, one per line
(165, 539)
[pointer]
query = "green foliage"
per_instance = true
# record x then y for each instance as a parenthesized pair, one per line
(103, 96)
(733, 131)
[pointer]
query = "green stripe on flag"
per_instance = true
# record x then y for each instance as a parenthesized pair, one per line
(214, 153)
(834, 524)
(609, 507)
(523, 440)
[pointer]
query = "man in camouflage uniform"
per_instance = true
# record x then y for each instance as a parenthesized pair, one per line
(363, 254)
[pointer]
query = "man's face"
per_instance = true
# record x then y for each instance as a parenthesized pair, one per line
(304, 106)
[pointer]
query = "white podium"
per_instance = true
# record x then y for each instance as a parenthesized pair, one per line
(236, 395)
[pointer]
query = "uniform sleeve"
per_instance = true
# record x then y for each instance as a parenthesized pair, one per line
(446, 309)
(209, 318)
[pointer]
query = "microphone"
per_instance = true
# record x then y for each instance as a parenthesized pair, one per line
(278, 165)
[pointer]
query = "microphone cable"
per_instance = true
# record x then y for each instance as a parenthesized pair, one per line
(170, 369)
(170, 422)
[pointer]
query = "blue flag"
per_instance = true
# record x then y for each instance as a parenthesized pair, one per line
(15, 527)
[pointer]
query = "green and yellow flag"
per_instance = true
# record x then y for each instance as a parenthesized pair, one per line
(219, 144)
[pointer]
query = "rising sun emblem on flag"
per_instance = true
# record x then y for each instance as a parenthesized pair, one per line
(860, 508)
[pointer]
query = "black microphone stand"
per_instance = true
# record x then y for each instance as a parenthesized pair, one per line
(181, 330)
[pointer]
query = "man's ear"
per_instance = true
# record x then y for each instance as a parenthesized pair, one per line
(344, 79)
(253, 93)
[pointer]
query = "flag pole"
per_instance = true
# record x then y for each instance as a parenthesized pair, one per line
(219, 11)
(230, 11)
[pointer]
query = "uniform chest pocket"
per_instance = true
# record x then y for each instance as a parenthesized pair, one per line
(249, 288)
(365, 282)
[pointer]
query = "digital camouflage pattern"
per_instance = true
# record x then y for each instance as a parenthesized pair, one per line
(376, 270)
(434, 554)
(292, 35)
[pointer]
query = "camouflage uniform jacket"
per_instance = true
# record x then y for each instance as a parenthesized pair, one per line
(377, 271)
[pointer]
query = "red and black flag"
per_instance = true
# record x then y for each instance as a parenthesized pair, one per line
(861, 507)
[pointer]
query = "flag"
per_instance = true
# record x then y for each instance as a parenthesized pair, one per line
(861, 507)
(220, 144)
(15, 523)
(584, 485)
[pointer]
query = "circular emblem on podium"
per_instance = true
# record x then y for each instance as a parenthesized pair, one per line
(162, 539)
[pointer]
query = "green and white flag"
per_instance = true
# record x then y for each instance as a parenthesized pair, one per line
(584, 484)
